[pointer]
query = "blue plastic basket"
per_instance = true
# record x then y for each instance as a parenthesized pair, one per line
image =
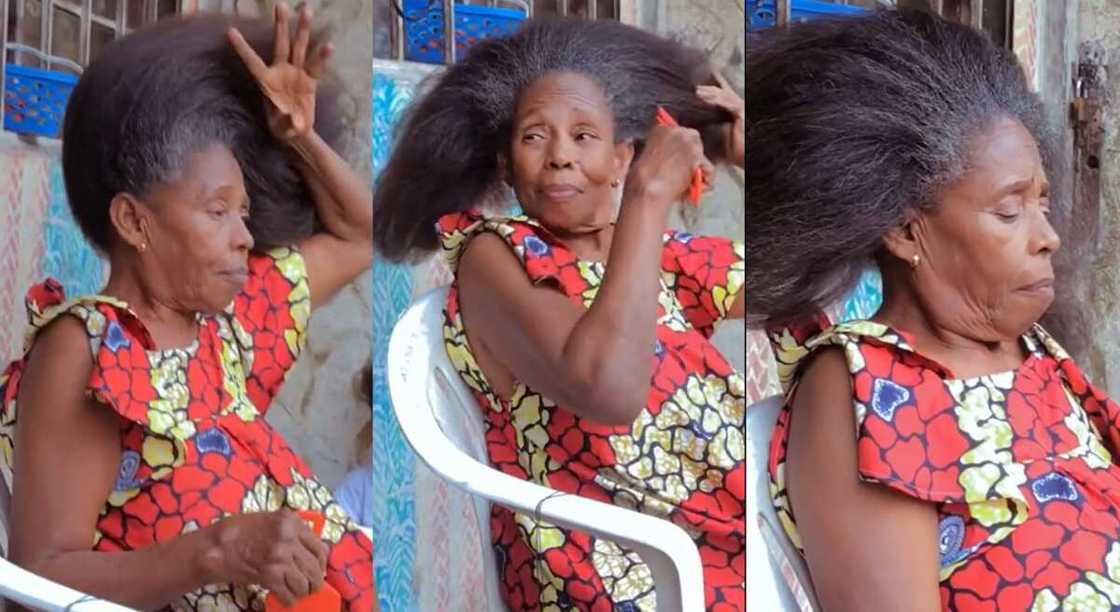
(764, 14)
(35, 100)
(423, 25)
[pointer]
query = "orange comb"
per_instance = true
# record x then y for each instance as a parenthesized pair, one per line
(326, 599)
(697, 186)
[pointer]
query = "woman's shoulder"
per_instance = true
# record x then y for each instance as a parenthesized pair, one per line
(861, 344)
(87, 317)
(56, 343)
(530, 243)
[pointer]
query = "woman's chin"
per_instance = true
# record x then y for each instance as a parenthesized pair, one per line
(217, 304)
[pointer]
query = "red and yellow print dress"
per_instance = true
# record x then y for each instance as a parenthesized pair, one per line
(1027, 494)
(195, 445)
(682, 459)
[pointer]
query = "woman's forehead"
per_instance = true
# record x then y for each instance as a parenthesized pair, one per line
(573, 89)
(1004, 151)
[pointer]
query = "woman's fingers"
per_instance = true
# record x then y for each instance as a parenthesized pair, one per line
(709, 172)
(297, 583)
(283, 46)
(316, 546)
(722, 81)
(253, 62)
(318, 61)
(310, 568)
(303, 37)
(717, 96)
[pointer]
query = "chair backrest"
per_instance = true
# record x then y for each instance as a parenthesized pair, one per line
(777, 578)
(439, 412)
(5, 511)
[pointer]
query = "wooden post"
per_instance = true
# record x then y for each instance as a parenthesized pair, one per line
(785, 11)
(449, 32)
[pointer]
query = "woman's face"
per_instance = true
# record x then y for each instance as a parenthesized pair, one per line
(985, 269)
(198, 233)
(564, 163)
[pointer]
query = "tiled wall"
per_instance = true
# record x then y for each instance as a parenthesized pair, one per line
(38, 237)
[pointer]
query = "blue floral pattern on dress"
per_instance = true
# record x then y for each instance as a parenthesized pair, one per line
(950, 537)
(1054, 486)
(213, 441)
(115, 338)
(536, 246)
(126, 473)
(887, 396)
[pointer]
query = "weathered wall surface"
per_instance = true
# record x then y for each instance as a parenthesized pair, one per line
(1097, 221)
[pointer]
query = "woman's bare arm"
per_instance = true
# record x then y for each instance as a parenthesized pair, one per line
(868, 547)
(66, 462)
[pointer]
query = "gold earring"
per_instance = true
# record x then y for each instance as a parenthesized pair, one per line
(915, 261)
(143, 246)
(616, 183)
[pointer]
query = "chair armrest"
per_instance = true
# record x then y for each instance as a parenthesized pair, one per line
(37, 592)
(665, 548)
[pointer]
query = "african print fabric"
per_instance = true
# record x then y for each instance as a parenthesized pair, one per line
(195, 445)
(1027, 494)
(681, 460)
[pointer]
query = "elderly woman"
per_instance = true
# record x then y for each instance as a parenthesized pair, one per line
(583, 325)
(142, 468)
(947, 453)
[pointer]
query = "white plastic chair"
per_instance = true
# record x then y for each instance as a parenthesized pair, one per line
(36, 592)
(442, 422)
(777, 578)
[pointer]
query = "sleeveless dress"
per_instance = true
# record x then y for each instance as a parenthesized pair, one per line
(682, 459)
(1019, 465)
(195, 445)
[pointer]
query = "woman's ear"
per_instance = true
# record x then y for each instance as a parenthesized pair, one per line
(623, 157)
(902, 242)
(129, 217)
(503, 170)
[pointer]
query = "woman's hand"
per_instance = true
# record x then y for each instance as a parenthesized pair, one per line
(275, 550)
(664, 170)
(725, 97)
(289, 84)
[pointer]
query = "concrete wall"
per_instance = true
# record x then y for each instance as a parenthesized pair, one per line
(1097, 270)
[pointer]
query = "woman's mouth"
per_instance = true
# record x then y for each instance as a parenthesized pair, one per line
(1044, 287)
(237, 276)
(560, 191)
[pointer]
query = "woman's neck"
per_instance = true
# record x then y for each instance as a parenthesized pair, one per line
(592, 245)
(170, 325)
(963, 350)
